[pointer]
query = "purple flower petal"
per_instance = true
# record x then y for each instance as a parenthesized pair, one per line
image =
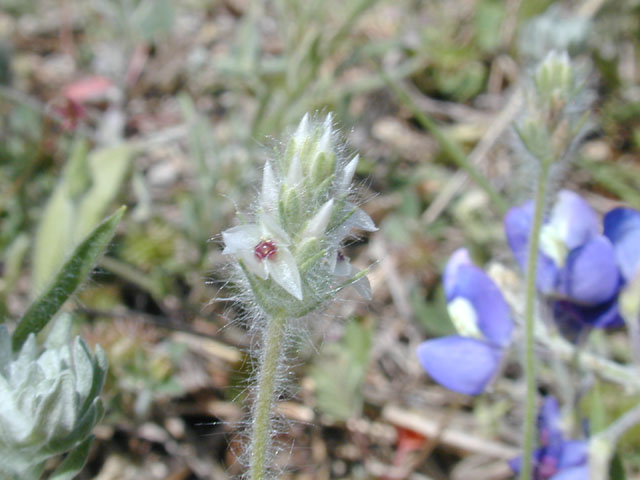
(515, 464)
(517, 224)
(622, 227)
(461, 364)
(573, 219)
(574, 453)
(591, 276)
(572, 318)
(492, 311)
(619, 222)
(575, 473)
(458, 258)
(549, 426)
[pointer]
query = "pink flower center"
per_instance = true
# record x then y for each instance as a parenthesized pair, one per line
(265, 249)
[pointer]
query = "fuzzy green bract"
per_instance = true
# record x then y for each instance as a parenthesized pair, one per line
(49, 398)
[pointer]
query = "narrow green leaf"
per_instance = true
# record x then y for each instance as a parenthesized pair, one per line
(74, 462)
(52, 240)
(73, 272)
(616, 469)
(56, 228)
(108, 168)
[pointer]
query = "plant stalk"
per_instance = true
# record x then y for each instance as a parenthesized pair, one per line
(529, 326)
(274, 339)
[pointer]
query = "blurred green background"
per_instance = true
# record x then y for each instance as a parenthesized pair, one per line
(172, 108)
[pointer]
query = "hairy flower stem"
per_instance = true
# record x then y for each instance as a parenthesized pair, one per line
(274, 339)
(529, 322)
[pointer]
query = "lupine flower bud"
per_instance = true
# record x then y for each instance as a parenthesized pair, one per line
(50, 398)
(289, 255)
(556, 112)
(556, 458)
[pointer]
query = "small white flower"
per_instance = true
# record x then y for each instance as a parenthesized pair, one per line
(343, 271)
(263, 248)
(318, 224)
(348, 172)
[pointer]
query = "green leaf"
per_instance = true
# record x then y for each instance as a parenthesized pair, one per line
(340, 370)
(108, 168)
(12, 259)
(53, 239)
(73, 272)
(74, 462)
(87, 187)
(155, 19)
(616, 469)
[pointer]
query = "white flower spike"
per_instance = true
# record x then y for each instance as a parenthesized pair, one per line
(288, 260)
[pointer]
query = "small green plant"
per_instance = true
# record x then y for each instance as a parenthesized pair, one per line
(50, 393)
(288, 262)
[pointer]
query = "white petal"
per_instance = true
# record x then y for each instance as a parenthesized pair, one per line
(318, 224)
(284, 272)
(254, 265)
(333, 261)
(242, 237)
(328, 122)
(272, 231)
(269, 189)
(362, 221)
(324, 144)
(302, 132)
(294, 175)
(348, 172)
(343, 268)
(363, 287)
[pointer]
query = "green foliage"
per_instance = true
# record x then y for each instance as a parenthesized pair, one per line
(50, 397)
(88, 185)
(339, 372)
(72, 273)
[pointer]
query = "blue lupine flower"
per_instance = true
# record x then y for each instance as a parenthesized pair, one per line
(467, 362)
(556, 458)
(622, 227)
(577, 266)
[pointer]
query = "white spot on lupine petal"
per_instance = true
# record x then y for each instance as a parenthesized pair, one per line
(552, 244)
(284, 272)
(464, 318)
(318, 224)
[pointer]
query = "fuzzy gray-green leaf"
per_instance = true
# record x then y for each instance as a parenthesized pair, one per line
(73, 272)
(74, 462)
